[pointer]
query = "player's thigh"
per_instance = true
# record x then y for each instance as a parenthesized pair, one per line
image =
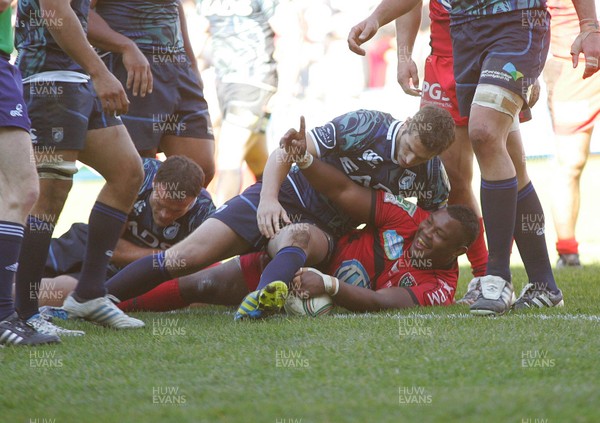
(199, 150)
(315, 242)
(110, 151)
(211, 242)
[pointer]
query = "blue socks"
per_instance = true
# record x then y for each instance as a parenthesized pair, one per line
(34, 253)
(139, 277)
(531, 240)
(105, 227)
(499, 205)
(283, 267)
(11, 238)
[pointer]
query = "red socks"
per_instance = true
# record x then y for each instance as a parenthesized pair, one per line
(478, 253)
(567, 246)
(164, 297)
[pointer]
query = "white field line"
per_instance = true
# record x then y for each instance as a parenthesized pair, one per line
(431, 316)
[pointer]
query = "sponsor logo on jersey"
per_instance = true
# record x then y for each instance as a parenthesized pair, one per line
(353, 272)
(13, 267)
(372, 158)
(393, 244)
(434, 91)
(17, 111)
(441, 294)
(512, 70)
(170, 232)
(325, 135)
(397, 200)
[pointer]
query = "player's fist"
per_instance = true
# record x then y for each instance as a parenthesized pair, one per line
(111, 93)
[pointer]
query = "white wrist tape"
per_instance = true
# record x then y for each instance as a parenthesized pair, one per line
(332, 285)
(305, 161)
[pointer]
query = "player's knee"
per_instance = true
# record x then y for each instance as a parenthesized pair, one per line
(483, 139)
(294, 235)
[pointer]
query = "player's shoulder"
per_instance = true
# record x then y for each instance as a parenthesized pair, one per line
(405, 207)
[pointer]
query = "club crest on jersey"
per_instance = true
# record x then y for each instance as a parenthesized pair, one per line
(407, 179)
(170, 232)
(407, 280)
(325, 135)
(405, 205)
(353, 272)
(58, 134)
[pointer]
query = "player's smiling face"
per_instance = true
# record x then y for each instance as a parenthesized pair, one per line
(438, 241)
(410, 151)
(166, 206)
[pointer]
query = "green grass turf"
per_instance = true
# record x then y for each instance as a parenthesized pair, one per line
(433, 364)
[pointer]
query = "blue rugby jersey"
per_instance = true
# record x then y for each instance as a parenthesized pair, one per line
(38, 51)
(142, 230)
(362, 145)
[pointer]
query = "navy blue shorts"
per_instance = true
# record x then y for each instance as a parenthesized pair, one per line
(239, 214)
(62, 113)
(508, 50)
(176, 105)
(12, 105)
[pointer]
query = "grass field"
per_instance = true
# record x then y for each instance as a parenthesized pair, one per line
(435, 364)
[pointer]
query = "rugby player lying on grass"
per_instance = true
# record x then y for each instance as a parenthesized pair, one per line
(404, 257)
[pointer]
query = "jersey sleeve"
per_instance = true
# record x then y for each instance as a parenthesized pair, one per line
(150, 168)
(437, 187)
(350, 132)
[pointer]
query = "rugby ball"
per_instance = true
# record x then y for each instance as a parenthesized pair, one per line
(313, 307)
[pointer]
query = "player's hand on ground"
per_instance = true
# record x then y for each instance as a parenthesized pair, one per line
(534, 94)
(111, 93)
(587, 43)
(361, 33)
(271, 217)
(139, 74)
(294, 142)
(408, 76)
(308, 283)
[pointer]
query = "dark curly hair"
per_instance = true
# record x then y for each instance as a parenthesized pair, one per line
(435, 127)
(469, 221)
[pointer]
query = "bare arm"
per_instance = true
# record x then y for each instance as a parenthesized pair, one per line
(355, 298)
(127, 252)
(278, 165)
(101, 35)
(187, 45)
(387, 11)
(72, 39)
(407, 27)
